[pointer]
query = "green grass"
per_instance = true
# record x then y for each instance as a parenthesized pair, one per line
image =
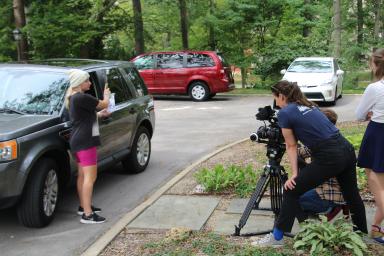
(354, 83)
(257, 91)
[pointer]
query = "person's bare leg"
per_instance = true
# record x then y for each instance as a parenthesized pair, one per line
(80, 181)
(376, 186)
(90, 175)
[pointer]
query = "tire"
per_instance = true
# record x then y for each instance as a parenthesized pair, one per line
(38, 205)
(138, 159)
(198, 91)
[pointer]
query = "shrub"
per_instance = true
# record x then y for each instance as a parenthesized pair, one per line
(233, 178)
(325, 238)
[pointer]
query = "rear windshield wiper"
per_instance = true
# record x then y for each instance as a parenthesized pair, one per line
(10, 110)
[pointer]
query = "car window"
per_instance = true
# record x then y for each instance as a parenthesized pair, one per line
(199, 60)
(117, 86)
(32, 91)
(170, 60)
(145, 62)
(223, 61)
(311, 66)
(137, 81)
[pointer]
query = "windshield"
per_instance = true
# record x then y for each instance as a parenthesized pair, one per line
(32, 91)
(311, 66)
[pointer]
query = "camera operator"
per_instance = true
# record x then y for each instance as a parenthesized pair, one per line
(332, 156)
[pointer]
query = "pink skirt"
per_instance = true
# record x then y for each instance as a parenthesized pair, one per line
(87, 157)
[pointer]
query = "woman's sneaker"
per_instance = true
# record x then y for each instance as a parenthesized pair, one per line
(268, 241)
(80, 210)
(93, 218)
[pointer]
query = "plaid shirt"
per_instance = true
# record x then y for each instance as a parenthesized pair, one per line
(329, 190)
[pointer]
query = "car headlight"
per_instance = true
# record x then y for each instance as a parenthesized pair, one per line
(8, 150)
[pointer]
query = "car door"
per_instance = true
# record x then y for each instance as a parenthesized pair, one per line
(171, 74)
(116, 130)
(146, 66)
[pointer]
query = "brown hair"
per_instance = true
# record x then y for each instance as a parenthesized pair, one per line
(378, 59)
(292, 92)
(330, 114)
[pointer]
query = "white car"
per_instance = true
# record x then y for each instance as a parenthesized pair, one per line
(319, 78)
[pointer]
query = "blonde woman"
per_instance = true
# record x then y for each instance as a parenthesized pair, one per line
(371, 155)
(85, 138)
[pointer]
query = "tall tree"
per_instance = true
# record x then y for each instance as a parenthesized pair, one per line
(360, 22)
(307, 18)
(336, 33)
(19, 14)
(378, 18)
(184, 23)
(211, 29)
(138, 27)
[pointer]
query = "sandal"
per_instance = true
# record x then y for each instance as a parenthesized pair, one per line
(377, 234)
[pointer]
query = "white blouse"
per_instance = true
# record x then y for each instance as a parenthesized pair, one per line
(372, 101)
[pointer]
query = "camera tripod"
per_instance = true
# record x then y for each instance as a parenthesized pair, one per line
(274, 176)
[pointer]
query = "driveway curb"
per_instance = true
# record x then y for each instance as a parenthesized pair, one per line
(98, 246)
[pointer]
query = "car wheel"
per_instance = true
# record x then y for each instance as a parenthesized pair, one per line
(38, 205)
(198, 91)
(138, 159)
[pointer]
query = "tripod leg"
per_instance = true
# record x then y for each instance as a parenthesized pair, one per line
(256, 196)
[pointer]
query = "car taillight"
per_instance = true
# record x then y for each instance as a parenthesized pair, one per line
(223, 75)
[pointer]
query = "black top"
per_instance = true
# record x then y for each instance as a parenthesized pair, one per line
(85, 128)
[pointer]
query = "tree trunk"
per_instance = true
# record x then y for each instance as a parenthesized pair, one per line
(184, 23)
(360, 22)
(19, 14)
(307, 16)
(211, 30)
(378, 21)
(336, 33)
(138, 24)
(243, 77)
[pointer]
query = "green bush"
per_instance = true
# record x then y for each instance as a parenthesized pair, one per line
(238, 179)
(325, 238)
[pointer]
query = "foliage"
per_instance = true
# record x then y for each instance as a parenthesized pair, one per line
(233, 178)
(7, 44)
(325, 238)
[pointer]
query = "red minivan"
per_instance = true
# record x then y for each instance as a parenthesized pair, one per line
(199, 74)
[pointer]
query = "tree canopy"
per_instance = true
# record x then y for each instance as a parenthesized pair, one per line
(265, 35)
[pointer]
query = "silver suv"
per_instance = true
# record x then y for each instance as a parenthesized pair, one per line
(35, 162)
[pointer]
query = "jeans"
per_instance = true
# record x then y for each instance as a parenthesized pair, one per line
(334, 157)
(311, 202)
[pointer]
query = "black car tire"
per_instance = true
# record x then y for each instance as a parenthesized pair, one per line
(140, 154)
(198, 91)
(33, 211)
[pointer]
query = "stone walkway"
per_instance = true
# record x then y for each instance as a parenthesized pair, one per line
(193, 212)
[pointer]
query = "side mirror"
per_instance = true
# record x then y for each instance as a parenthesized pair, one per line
(339, 72)
(283, 71)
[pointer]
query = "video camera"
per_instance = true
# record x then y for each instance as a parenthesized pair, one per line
(269, 134)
